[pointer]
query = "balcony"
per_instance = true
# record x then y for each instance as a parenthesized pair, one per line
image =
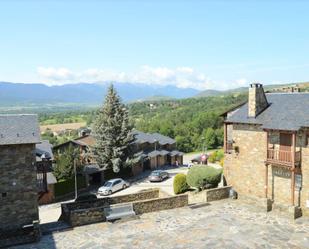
(283, 158)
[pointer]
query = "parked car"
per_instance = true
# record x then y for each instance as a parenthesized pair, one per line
(86, 197)
(112, 186)
(158, 176)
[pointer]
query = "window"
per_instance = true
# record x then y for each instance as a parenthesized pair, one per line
(4, 195)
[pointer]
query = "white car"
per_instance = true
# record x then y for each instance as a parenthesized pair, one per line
(112, 186)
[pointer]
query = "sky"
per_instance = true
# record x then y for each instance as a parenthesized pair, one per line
(197, 44)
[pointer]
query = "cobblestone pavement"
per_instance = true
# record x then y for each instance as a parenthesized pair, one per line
(222, 224)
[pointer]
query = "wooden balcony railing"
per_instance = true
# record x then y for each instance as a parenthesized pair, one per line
(281, 157)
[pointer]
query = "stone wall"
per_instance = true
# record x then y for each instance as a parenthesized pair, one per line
(82, 207)
(18, 186)
(153, 205)
(87, 216)
(92, 215)
(216, 194)
(208, 195)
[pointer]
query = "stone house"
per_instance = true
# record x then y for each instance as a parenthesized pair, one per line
(154, 151)
(18, 176)
(267, 150)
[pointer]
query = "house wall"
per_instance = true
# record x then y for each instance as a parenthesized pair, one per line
(19, 181)
(245, 171)
(161, 161)
(153, 162)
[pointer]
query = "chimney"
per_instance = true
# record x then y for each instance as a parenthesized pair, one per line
(257, 100)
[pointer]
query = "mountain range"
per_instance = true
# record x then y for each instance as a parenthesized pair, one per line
(92, 94)
(85, 93)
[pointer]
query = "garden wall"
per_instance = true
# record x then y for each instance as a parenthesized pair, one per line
(87, 212)
(158, 204)
(209, 195)
(86, 216)
(73, 210)
(218, 193)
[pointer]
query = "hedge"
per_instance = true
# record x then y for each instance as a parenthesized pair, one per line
(68, 186)
(180, 184)
(203, 177)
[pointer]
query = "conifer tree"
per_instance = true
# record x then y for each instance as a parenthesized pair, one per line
(112, 132)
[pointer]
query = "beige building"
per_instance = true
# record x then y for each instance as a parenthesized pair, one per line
(267, 151)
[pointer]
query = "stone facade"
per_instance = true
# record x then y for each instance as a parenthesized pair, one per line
(18, 186)
(246, 170)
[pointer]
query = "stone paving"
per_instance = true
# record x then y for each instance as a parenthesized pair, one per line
(222, 224)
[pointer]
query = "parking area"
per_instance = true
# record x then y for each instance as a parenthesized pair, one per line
(51, 212)
(142, 182)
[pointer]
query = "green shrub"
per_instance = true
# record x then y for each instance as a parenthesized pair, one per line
(212, 157)
(203, 177)
(216, 156)
(68, 186)
(180, 184)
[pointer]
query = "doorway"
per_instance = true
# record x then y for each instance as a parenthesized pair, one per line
(285, 147)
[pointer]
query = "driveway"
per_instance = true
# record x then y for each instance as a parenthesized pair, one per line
(221, 224)
(142, 182)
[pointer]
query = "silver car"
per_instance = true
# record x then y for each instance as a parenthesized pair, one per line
(158, 176)
(112, 186)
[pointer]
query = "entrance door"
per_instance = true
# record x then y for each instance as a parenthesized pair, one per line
(285, 147)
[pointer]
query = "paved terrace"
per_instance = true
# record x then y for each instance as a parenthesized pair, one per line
(222, 224)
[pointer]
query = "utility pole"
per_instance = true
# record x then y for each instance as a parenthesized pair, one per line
(75, 176)
(156, 155)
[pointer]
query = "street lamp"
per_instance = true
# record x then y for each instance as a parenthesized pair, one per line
(75, 176)
(155, 141)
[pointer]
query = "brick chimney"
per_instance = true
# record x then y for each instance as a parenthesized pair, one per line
(257, 100)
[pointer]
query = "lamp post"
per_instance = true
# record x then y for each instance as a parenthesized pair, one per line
(75, 177)
(155, 141)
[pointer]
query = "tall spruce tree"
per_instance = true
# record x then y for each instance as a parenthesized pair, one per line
(112, 132)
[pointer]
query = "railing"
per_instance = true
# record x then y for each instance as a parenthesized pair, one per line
(41, 182)
(282, 157)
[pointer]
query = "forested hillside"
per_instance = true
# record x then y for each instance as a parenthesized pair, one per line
(193, 122)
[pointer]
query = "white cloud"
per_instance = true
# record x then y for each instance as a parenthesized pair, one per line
(180, 76)
(183, 77)
(55, 73)
(242, 82)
